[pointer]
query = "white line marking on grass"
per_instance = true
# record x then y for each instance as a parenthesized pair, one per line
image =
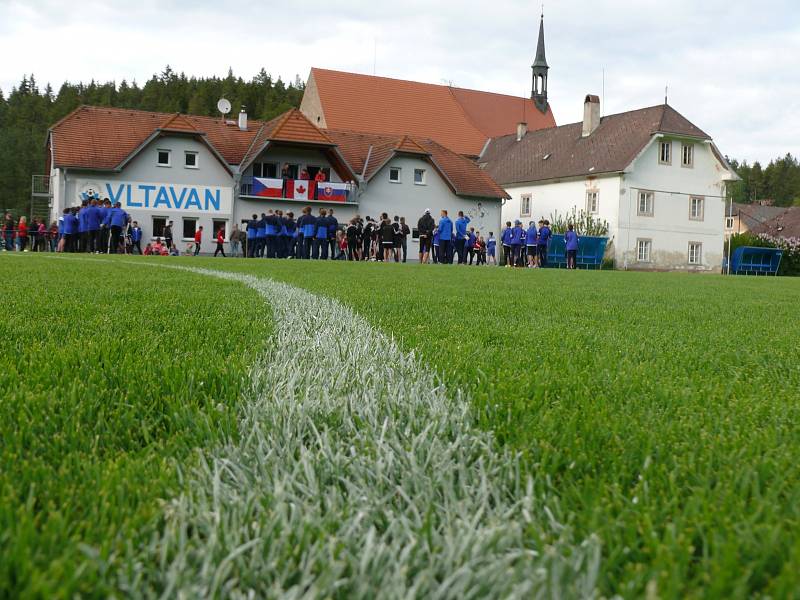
(355, 476)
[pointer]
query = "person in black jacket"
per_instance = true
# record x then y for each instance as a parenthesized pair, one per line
(352, 239)
(387, 237)
(369, 228)
(425, 226)
(333, 226)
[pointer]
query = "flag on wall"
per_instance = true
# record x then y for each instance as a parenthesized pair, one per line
(332, 192)
(268, 188)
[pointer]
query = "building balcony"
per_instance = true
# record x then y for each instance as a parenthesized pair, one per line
(297, 190)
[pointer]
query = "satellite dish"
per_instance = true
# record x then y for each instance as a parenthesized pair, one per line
(224, 106)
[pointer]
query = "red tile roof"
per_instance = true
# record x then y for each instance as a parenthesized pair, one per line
(462, 175)
(462, 120)
(103, 138)
(563, 152)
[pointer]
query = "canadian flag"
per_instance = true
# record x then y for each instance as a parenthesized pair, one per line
(304, 190)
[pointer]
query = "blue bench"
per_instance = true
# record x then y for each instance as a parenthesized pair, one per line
(749, 260)
(590, 252)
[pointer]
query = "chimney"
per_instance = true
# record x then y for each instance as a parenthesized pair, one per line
(591, 115)
(522, 130)
(243, 119)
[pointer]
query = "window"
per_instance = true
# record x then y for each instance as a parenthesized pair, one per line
(163, 158)
(419, 176)
(729, 223)
(665, 153)
(525, 206)
(189, 228)
(695, 253)
(216, 226)
(313, 170)
(190, 159)
(266, 170)
(645, 208)
(687, 156)
(643, 248)
(294, 171)
(158, 226)
(592, 202)
(394, 175)
(696, 208)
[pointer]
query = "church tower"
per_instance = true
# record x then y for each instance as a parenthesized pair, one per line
(540, 69)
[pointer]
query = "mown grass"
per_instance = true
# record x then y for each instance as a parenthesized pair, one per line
(662, 408)
(111, 375)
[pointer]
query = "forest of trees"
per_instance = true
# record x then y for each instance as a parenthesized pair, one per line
(28, 111)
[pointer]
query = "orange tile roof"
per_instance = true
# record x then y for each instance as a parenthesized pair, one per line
(462, 120)
(93, 137)
(103, 138)
(462, 174)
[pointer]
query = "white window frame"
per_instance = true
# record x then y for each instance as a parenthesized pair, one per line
(186, 154)
(668, 146)
(702, 213)
(644, 243)
(687, 150)
(525, 202)
(697, 259)
(169, 157)
(422, 178)
(593, 202)
(729, 223)
(649, 212)
(152, 226)
(399, 172)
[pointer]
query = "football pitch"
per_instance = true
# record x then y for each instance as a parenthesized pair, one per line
(227, 428)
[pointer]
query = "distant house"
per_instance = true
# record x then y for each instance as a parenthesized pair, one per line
(460, 119)
(212, 172)
(656, 178)
(784, 224)
(748, 217)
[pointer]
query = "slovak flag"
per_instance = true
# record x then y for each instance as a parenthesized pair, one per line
(268, 188)
(332, 192)
(303, 190)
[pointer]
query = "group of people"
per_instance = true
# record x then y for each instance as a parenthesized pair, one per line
(36, 237)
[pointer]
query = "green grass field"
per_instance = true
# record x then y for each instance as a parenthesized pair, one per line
(658, 412)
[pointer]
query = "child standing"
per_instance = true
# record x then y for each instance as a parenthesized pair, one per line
(571, 239)
(491, 249)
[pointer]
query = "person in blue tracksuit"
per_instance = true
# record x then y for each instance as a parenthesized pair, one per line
(445, 237)
(291, 235)
(70, 228)
(461, 237)
(505, 240)
(435, 245)
(333, 225)
(252, 236)
(282, 235)
(544, 238)
(307, 224)
(491, 249)
(321, 236)
(261, 235)
(93, 222)
(531, 237)
(472, 239)
(136, 237)
(116, 219)
(105, 230)
(517, 240)
(83, 236)
(271, 234)
(571, 241)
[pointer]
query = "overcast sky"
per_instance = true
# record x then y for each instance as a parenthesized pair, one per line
(732, 66)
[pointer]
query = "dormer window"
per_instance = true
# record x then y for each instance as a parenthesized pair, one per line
(190, 160)
(665, 153)
(163, 159)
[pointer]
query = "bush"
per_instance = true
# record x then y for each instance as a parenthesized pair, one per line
(584, 223)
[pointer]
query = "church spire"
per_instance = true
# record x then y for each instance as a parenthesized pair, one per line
(540, 70)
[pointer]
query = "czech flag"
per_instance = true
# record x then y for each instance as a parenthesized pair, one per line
(268, 188)
(331, 192)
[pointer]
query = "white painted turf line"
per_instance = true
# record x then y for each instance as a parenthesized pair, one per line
(354, 476)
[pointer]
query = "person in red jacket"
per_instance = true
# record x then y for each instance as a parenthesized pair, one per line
(220, 243)
(198, 239)
(22, 234)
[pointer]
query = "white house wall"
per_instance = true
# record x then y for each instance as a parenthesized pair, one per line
(143, 170)
(670, 228)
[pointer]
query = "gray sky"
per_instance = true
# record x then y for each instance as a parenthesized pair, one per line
(733, 67)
